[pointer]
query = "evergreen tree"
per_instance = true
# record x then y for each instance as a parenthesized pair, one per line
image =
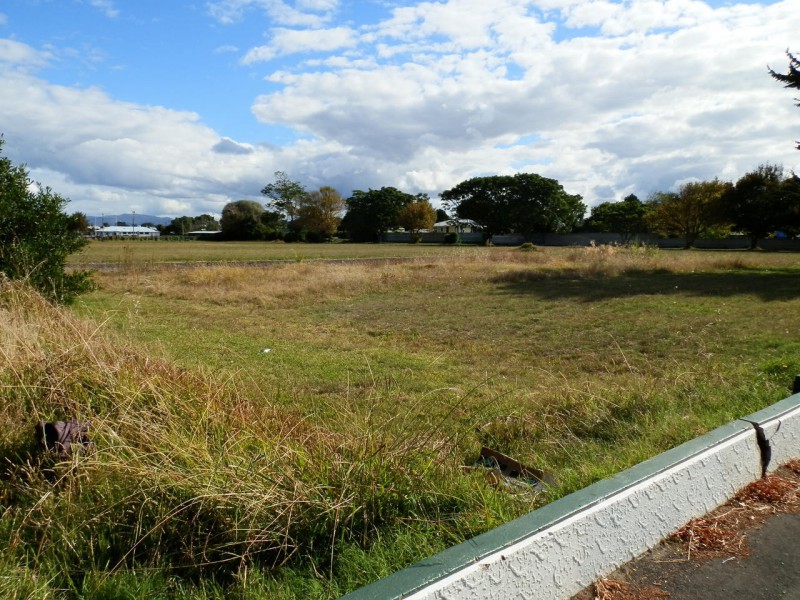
(37, 236)
(791, 78)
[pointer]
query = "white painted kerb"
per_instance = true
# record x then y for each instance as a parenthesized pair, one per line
(561, 560)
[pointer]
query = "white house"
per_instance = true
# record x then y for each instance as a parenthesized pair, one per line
(126, 231)
(457, 226)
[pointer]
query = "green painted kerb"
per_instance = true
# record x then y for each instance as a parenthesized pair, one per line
(428, 571)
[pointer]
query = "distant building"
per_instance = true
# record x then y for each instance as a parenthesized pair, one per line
(119, 231)
(457, 226)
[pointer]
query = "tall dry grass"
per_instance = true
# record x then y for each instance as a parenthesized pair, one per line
(283, 283)
(187, 474)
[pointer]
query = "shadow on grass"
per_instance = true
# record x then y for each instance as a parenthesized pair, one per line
(769, 286)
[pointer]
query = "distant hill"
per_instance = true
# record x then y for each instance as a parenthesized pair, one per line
(130, 219)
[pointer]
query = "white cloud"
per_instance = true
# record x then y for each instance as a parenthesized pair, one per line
(615, 18)
(295, 41)
(226, 48)
(104, 153)
(305, 13)
(318, 5)
(17, 55)
(110, 157)
(107, 7)
(229, 146)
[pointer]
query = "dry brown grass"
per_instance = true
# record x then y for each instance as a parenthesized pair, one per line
(274, 285)
(256, 285)
(612, 589)
(714, 536)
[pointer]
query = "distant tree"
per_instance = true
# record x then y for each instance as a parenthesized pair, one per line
(521, 203)
(286, 196)
(121, 223)
(319, 214)
(626, 218)
(416, 216)
(372, 213)
(695, 210)
(273, 225)
(441, 215)
(241, 220)
(761, 203)
(183, 225)
(790, 188)
(180, 225)
(791, 78)
(79, 223)
(205, 222)
(36, 236)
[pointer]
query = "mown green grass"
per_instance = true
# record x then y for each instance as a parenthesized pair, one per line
(579, 361)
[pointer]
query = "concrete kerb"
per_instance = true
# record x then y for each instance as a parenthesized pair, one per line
(557, 550)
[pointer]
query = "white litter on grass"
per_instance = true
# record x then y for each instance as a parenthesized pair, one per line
(265, 350)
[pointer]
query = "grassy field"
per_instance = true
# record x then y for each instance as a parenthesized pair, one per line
(141, 252)
(224, 470)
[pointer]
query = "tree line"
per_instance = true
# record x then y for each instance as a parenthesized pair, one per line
(501, 204)
(763, 202)
(292, 213)
(760, 203)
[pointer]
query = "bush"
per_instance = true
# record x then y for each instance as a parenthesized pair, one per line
(294, 235)
(36, 236)
(452, 238)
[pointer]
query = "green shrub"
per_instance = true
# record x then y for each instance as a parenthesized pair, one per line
(452, 238)
(36, 236)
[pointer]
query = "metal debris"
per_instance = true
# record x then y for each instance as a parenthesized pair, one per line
(504, 471)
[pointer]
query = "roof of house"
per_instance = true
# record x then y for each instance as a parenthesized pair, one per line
(127, 229)
(451, 222)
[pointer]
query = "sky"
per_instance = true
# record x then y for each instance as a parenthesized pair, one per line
(178, 107)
